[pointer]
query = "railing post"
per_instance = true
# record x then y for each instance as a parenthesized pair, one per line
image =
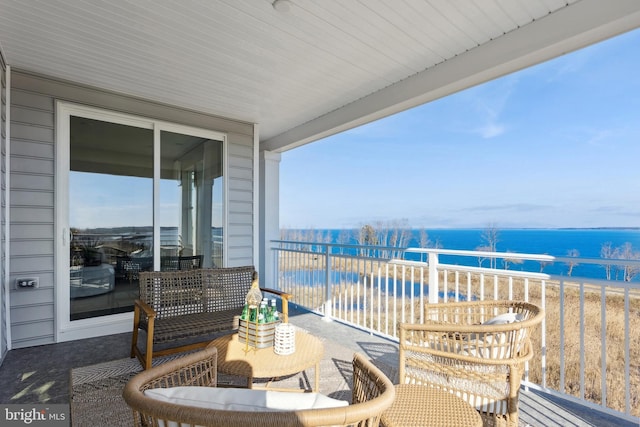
(328, 304)
(433, 278)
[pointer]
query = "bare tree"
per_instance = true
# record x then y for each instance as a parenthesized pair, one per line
(396, 234)
(608, 252)
(381, 233)
(572, 253)
(543, 264)
(490, 239)
(482, 259)
(506, 261)
(424, 238)
(367, 237)
(399, 235)
(344, 238)
(323, 236)
(291, 234)
(424, 241)
(627, 252)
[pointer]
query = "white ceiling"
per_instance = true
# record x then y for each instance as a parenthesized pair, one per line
(322, 67)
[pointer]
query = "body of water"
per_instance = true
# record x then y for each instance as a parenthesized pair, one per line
(557, 242)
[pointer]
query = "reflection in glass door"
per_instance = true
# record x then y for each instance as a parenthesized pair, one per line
(110, 215)
(191, 208)
(112, 179)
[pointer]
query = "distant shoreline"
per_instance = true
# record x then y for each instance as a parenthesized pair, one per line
(477, 228)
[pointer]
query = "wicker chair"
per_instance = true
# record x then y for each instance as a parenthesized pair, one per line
(482, 363)
(372, 393)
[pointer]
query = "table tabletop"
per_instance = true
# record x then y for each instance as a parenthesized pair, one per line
(419, 405)
(235, 358)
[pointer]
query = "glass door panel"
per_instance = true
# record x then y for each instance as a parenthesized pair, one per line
(110, 215)
(191, 203)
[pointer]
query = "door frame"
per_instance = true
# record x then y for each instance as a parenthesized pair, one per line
(67, 330)
(5, 310)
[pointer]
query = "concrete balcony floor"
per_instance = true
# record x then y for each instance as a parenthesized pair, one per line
(48, 369)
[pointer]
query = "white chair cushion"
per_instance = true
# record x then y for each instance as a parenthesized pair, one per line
(235, 399)
(505, 318)
(494, 345)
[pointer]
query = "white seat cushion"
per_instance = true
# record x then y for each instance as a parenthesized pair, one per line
(236, 399)
(496, 345)
(505, 318)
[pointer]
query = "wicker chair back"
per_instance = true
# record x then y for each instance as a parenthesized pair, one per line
(476, 350)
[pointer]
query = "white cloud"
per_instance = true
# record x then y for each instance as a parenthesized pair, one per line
(491, 130)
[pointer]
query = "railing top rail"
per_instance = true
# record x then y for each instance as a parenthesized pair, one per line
(482, 270)
(531, 257)
(345, 256)
(511, 255)
(518, 273)
(600, 261)
(422, 264)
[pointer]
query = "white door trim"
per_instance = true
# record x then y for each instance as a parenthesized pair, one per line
(67, 330)
(6, 333)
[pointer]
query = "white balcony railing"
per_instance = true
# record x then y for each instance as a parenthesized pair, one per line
(585, 348)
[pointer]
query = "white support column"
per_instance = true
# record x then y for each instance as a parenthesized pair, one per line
(269, 215)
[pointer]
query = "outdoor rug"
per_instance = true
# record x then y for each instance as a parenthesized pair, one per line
(96, 390)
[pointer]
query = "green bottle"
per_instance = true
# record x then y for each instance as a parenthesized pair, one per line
(262, 315)
(269, 313)
(245, 312)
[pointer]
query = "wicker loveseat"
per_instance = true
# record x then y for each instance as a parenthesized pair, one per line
(372, 393)
(175, 308)
(476, 350)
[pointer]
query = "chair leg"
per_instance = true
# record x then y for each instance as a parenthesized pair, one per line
(149, 354)
(515, 375)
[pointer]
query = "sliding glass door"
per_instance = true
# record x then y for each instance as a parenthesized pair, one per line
(191, 204)
(110, 215)
(135, 195)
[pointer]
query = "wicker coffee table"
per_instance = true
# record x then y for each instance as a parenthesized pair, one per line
(234, 359)
(419, 405)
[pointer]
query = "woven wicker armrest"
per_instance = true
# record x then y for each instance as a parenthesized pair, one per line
(146, 308)
(285, 301)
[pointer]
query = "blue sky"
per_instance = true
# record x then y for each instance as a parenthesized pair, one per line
(555, 145)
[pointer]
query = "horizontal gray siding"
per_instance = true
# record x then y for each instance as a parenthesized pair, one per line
(32, 313)
(32, 216)
(32, 189)
(32, 247)
(240, 230)
(31, 333)
(34, 199)
(41, 295)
